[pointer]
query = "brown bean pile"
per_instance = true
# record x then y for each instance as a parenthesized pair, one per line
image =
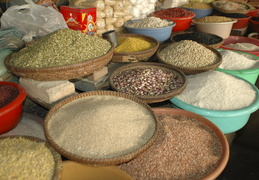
(173, 12)
(185, 149)
(7, 94)
(147, 81)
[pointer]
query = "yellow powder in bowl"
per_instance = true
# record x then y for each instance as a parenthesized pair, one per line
(133, 44)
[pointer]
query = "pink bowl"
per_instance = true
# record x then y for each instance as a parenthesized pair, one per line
(240, 39)
(11, 114)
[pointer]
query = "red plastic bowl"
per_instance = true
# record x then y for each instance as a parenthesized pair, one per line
(241, 23)
(240, 39)
(11, 114)
(253, 24)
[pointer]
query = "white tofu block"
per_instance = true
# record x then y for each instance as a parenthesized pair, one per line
(98, 74)
(48, 91)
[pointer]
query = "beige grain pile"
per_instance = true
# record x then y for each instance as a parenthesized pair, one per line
(25, 159)
(101, 126)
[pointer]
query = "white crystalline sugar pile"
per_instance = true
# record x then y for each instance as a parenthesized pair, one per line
(216, 90)
(243, 46)
(236, 61)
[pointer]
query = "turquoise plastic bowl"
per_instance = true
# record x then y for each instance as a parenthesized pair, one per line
(250, 75)
(227, 121)
(160, 34)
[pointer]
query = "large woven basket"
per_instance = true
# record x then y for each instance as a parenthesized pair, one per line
(151, 98)
(56, 156)
(188, 71)
(216, 45)
(98, 161)
(215, 5)
(66, 72)
(135, 56)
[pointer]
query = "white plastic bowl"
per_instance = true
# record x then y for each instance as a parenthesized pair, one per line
(222, 29)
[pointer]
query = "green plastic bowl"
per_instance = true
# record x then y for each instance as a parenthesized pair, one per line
(227, 121)
(250, 75)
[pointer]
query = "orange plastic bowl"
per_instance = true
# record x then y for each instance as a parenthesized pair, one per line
(182, 23)
(11, 114)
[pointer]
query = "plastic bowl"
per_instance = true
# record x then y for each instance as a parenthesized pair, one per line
(222, 29)
(225, 146)
(160, 34)
(182, 23)
(250, 75)
(240, 39)
(200, 12)
(11, 114)
(241, 23)
(227, 121)
(242, 19)
(253, 24)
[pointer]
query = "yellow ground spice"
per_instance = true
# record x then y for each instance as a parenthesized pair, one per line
(133, 44)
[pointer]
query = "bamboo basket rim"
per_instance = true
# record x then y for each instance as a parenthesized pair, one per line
(55, 154)
(214, 4)
(189, 71)
(99, 161)
(157, 98)
(216, 45)
(56, 68)
(71, 70)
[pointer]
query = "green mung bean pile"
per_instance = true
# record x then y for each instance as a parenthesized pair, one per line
(60, 48)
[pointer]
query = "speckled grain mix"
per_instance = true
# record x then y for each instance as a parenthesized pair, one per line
(185, 149)
(25, 159)
(62, 47)
(188, 54)
(147, 81)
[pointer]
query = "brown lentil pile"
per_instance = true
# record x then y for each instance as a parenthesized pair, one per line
(8, 93)
(174, 12)
(133, 44)
(25, 159)
(197, 5)
(62, 47)
(147, 81)
(185, 149)
(188, 54)
(214, 19)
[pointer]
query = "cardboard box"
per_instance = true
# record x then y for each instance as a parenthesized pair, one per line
(80, 18)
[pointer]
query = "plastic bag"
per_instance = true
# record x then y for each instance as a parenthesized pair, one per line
(32, 18)
(11, 39)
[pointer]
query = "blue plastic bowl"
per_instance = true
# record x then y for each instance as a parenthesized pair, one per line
(227, 121)
(250, 75)
(200, 12)
(160, 34)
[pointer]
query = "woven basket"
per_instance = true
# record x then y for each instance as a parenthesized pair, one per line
(164, 67)
(56, 156)
(189, 71)
(99, 161)
(135, 56)
(217, 45)
(61, 72)
(216, 7)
